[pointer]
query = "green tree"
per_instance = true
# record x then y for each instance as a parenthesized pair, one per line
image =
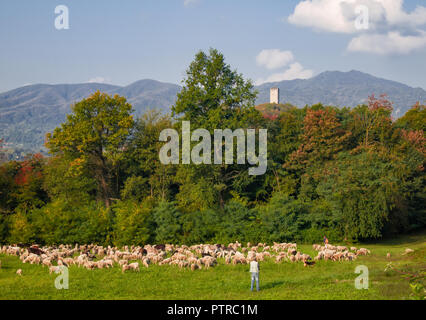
(215, 97)
(283, 218)
(168, 222)
(413, 119)
(374, 119)
(60, 182)
(366, 191)
(148, 177)
(133, 223)
(95, 136)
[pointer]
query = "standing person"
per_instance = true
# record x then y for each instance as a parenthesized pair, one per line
(325, 240)
(254, 270)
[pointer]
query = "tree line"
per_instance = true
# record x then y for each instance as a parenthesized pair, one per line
(350, 174)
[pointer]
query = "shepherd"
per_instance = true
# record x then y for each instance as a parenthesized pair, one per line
(254, 270)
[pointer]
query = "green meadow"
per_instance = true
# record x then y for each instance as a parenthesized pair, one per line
(325, 280)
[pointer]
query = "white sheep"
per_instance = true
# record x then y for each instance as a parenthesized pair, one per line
(55, 269)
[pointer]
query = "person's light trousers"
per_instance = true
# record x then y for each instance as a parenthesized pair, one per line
(255, 277)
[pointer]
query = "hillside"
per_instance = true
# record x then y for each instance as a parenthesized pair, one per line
(27, 113)
(343, 89)
(273, 110)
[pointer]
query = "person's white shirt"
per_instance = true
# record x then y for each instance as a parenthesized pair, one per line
(254, 266)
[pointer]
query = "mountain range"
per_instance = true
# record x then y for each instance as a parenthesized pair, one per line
(27, 113)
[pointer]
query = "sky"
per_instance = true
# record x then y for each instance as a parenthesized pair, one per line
(120, 42)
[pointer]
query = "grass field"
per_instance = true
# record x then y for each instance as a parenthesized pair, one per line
(325, 280)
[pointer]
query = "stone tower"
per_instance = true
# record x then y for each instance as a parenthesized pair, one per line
(275, 95)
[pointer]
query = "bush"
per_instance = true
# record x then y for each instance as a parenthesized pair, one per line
(283, 218)
(133, 223)
(168, 223)
(61, 222)
(200, 227)
(238, 223)
(313, 235)
(21, 229)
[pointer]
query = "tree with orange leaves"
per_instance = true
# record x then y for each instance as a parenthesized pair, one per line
(322, 138)
(374, 115)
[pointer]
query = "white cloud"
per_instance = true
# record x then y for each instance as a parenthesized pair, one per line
(340, 15)
(187, 3)
(390, 43)
(99, 80)
(388, 23)
(395, 14)
(295, 71)
(274, 58)
(324, 15)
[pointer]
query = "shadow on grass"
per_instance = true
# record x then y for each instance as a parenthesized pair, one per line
(270, 285)
(415, 237)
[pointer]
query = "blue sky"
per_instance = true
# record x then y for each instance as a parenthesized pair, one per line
(120, 42)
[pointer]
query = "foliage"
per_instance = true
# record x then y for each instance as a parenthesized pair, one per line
(351, 174)
(94, 136)
(283, 218)
(133, 223)
(168, 223)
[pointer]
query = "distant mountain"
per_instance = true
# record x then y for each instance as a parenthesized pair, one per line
(27, 113)
(343, 89)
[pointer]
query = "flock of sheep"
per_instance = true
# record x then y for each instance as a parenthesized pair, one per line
(193, 257)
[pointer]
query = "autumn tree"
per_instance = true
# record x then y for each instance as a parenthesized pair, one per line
(94, 136)
(322, 138)
(373, 118)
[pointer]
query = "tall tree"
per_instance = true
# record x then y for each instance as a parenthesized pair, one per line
(215, 97)
(148, 177)
(322, 138)
(374, 118)
(95, 135)
(413, 119)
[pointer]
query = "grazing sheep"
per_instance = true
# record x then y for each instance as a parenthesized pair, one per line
(407, 251)
(316, 247)
(124, 268)
(134, 266)
(362, 252)
(122, 262)
(279, 258)
(54, 269)
(47, 262)
(145, 262)
(62, 263)
(90, 265)
(174, 255)
(194, 267)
